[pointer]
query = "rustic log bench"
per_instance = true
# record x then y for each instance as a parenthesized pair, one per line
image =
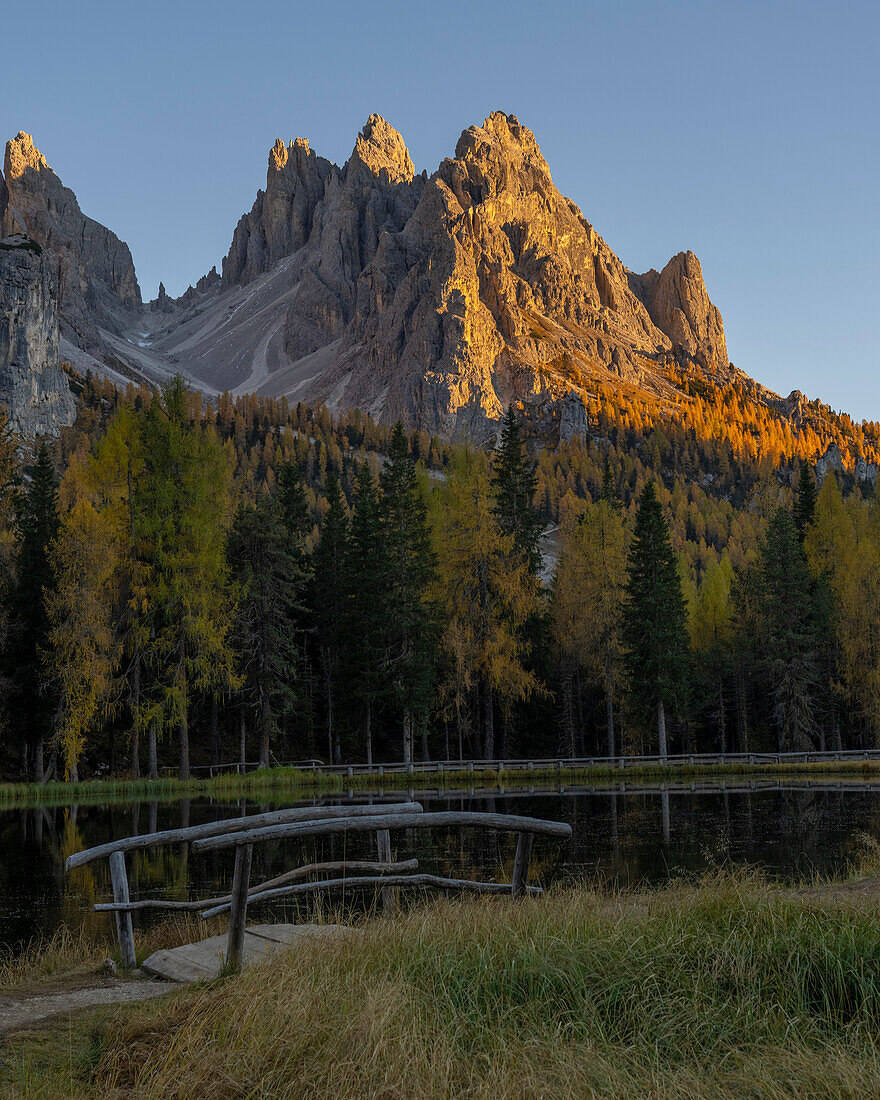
(242, 833)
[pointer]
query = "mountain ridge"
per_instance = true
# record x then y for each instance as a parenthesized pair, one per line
(438, 300)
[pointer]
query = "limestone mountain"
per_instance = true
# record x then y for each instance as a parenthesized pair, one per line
(437, 300)
(33, 386)
(97, 282)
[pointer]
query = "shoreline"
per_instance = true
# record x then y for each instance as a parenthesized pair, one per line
(270, 784)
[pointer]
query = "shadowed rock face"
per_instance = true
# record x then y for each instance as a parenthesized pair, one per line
(32, 384)
(97, 281)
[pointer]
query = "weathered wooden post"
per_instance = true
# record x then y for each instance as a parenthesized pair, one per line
(238, 908)
(521, 864)
(124, 928)
(389, 893)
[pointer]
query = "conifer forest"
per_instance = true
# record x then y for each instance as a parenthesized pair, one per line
(188, 583)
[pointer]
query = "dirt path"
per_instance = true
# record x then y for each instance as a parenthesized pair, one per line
(21, 1012)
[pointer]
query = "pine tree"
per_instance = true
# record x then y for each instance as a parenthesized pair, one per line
(411, 573)
(793, 622)
(654, 616)
(330, 602)
(369, 610)
(32, 700)
(514, 484)
(271, 584)
(805, 501)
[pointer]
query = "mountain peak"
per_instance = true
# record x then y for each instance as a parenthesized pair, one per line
(381, 149)
(21, 154)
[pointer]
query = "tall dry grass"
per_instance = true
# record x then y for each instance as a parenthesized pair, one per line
(730, 988)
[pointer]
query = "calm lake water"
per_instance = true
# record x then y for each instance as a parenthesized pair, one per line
(792, 831)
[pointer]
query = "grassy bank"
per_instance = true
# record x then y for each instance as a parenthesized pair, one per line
(728, 988)
(283, 784)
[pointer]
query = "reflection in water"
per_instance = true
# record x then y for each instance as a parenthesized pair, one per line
(617, 834)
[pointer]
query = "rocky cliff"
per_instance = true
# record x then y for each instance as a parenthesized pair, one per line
(97, 283)
(452, 296)
(33, 387)
(435, 300)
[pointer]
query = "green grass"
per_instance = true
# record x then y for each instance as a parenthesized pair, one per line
(726, 988)
(277, 784)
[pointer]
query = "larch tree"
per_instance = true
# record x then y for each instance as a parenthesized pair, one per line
(711, 626)
(182, 508)
(82, 651)
(586, 607)
(487, 592)
(654, 616)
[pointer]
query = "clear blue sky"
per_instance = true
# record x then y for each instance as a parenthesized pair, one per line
(745, 131)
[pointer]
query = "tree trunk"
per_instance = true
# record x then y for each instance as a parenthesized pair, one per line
(183, 736)
(741, 715)
(74, 773)
(242, 731)
(661, 728)
(566, 747)
(38, 760)
(369, 733)
(183, 727)
(152, 749)
(609, 699)
(407, 735)
(136, 721)
(425, 754)
(489, 718)
(215, 740)
(722, 724)
(264, 734)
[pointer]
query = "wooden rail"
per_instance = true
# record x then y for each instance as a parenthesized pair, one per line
(232, 825)
(367, 824)
(375, 880)
(243, 833)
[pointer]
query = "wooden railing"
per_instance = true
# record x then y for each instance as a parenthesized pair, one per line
(242, 833)
(561, 763)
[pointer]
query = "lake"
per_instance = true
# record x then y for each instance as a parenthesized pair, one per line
(646, 834)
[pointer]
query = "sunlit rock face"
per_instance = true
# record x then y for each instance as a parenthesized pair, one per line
(497, 289)
(33, 387)
(97, 282)
(436, 300)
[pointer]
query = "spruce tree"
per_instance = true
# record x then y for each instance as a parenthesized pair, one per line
(271, 583)
(411, 572)
(32, 701)
(654, 616)
(794, 620)
(805, 501)
(330, 592)
(513, 485)
(369, 612)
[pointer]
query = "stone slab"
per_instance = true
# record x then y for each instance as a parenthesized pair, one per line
(194, 962)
